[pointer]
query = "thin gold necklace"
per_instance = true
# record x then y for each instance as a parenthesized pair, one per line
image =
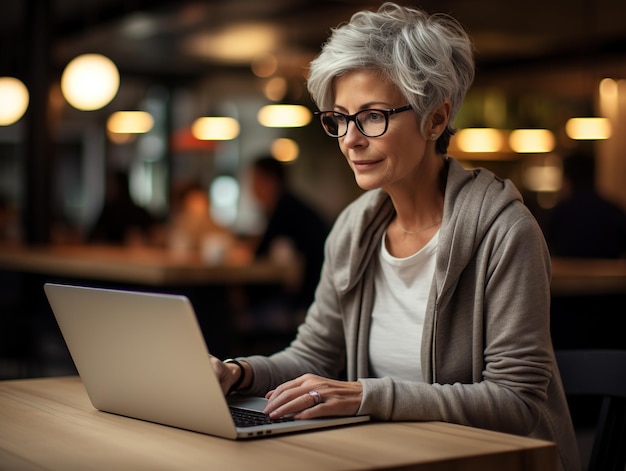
(417, 232)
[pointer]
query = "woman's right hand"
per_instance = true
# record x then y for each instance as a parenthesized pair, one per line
(230, 373)
(227, 374)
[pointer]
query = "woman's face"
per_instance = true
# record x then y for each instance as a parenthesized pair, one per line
(390, 160)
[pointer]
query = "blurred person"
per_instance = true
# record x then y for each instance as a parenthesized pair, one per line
(293, 236)
(434, 295)
(294, 228)
(121, 220)
(585, 224)
(192, 229)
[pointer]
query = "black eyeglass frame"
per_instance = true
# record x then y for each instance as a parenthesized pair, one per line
(352, 117)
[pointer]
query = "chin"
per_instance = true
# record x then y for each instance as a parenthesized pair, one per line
(367, 183)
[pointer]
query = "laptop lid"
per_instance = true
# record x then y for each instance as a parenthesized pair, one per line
(143, 355)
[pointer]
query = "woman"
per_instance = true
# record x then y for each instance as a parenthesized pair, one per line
(434, 294)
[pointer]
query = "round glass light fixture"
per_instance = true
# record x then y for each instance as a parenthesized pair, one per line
(90, 82)
(14, 98)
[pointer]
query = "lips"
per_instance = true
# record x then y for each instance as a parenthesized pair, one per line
(365, 164)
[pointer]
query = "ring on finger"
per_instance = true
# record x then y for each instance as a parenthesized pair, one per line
(316, 397)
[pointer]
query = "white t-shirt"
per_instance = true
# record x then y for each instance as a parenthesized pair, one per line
(401, 288)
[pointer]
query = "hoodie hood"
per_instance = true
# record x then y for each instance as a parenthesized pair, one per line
(473, 200)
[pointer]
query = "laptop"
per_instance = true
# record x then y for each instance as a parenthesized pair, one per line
(142, 355)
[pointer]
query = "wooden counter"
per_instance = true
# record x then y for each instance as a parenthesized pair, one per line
(578, 277)
(146, 266)
(159, 267)
(217, 291)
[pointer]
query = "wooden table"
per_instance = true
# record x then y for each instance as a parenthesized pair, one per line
(216, 290)
(147, 266)
(49, 424)
(578, 277)
(159, 267)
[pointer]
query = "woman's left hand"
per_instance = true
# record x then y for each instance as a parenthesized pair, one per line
(311, 396)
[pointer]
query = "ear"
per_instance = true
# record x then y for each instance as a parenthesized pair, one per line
(439, 119)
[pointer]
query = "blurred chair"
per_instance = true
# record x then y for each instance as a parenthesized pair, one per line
(600, 373)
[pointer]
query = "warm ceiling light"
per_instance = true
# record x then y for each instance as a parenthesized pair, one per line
(480, 140)
(90, 82)
(534, 141)
(275, 89)
(285, 150)
(264, 65)
(588, 128)
(284, 116)
(215, 128)
(130, 122)
(240, 43)
(609, 97)
(14, 99)
(543, 178)
(139, 26)
(117, 138)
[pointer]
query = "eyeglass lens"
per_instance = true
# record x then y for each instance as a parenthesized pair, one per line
(371, 123)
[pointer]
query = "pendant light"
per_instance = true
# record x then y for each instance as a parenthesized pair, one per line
(14, 99)
(284, 116)
(90, 82)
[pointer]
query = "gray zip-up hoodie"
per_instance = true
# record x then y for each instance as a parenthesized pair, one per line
(486, 351)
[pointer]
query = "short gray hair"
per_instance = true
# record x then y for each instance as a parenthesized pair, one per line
(430, 58)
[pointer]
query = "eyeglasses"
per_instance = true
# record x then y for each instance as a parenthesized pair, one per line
(371, 122)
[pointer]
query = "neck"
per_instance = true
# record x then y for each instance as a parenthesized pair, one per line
(417, 231)
(419, 201)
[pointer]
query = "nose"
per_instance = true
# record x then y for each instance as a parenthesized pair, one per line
(353, 136)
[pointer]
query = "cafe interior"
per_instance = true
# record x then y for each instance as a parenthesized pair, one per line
(172, 92)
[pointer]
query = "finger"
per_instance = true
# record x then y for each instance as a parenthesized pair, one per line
(280, 398)
(284, 393)
(289, 391)
(296, 405)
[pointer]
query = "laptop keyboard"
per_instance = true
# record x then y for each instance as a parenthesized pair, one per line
(251, 418)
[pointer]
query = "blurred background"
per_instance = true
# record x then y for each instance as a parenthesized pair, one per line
(539, 64)
(135, 123)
